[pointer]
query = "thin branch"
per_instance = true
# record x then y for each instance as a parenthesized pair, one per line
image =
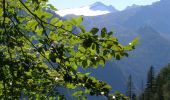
(46, 22)
(57, 27)
(4, 15)
(31, 43)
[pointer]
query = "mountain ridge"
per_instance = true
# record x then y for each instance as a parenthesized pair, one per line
(94, 9)
(151, 24)
(101, 6)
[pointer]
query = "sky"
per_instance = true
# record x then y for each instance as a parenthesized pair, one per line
(118, 4)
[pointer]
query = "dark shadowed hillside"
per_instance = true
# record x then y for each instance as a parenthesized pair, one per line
(152, 25)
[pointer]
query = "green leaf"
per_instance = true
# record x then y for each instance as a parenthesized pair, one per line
(71, 59)
(54, 20)
(88, 62)
(103, 32)
(125, 54)
(52, 7)
(1, 11)
(135, 41)
(79, 19)
(73, 21)
(107, 86)
(101, 62)
(118, 57)
(39, 31)
(59, 23)
(48, 15)
(94, 31)
(84, 63)
(74, 65)
(32, 24)
(82, 28)
(87, 74)
(77, 93)
(76, 21)
(39, 13)
(110, 33)
(93, 46)
(83, 57)
(57, 60)
(109, 56)
(71, 86)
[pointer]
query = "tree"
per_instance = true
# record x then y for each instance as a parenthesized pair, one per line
(130, 88)
(40, 53)
(163, 84)
(134, 96)
(150, 86)
(151, 78)
(141, 96)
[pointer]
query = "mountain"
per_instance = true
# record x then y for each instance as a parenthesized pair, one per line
(152, 50)
(151, 24)
(100, 6)
(95, 9)
(154, 15)
(134, 6)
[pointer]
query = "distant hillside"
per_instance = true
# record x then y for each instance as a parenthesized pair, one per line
(152, 24)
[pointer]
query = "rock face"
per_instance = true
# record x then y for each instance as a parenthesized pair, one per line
(100, 6)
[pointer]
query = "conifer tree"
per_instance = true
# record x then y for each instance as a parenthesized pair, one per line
(150, 85)
(130, 88)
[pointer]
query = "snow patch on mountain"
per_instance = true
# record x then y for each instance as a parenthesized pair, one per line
(81, 11)
(95, 9)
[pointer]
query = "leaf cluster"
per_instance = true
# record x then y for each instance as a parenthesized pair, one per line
(40, 52)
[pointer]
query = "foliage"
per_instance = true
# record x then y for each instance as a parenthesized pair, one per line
(161, 89)
(119, 96)
(40, 53)
(163, 84)
(130, 92)
(150, 86)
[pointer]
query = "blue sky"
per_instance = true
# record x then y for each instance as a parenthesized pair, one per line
(118, 4)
